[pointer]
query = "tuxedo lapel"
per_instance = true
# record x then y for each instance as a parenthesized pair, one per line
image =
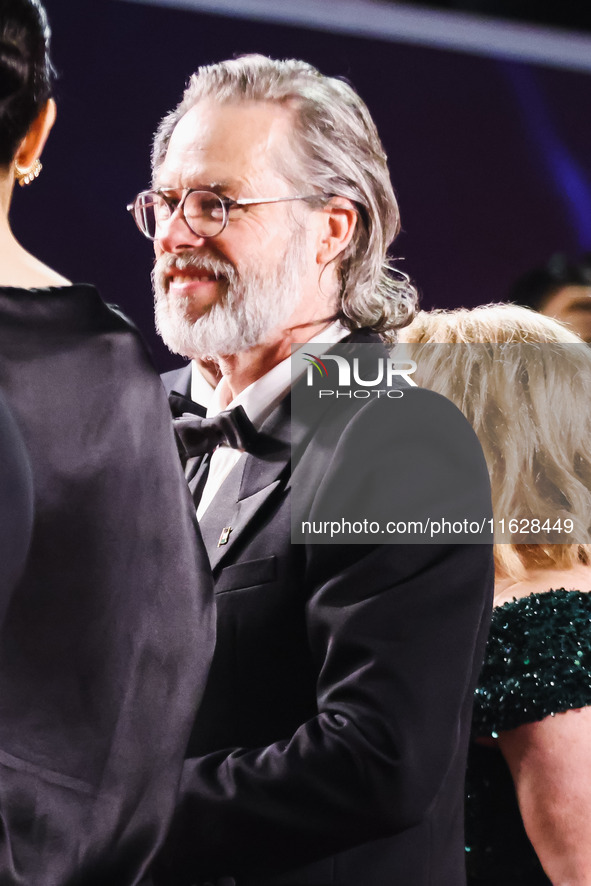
(178, 380)
(227, 519)
(196, 471)
(248, 486)
(221, 516)
(272, 452)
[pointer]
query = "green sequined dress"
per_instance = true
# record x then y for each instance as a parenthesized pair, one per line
(538, 663)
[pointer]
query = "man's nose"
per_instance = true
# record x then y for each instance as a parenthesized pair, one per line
(175, 235)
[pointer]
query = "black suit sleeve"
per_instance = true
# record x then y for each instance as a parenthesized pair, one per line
(396, 633)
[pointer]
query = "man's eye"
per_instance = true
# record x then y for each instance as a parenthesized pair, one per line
(212, 208)
(163, 210)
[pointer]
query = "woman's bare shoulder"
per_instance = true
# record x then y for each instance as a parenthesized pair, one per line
(539, 581)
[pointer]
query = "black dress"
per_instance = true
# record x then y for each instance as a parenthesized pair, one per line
(108, 633)
(537, 664)
(16, 505)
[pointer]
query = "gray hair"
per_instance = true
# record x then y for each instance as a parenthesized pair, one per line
(338, 150)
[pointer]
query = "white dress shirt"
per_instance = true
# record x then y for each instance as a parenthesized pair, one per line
(258, 400)
(201, 389)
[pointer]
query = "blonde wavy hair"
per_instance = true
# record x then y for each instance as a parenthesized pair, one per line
(521, 400)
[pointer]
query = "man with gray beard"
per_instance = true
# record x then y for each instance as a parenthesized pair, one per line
(330, 746)
(252, 304)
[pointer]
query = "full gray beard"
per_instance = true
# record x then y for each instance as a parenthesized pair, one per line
(253, 305)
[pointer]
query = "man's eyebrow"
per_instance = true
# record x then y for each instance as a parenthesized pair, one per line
(222, 185)
(218, 187)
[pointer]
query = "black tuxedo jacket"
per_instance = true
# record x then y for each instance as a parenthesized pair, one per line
(330, 746)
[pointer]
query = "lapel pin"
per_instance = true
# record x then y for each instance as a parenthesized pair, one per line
(223, 540)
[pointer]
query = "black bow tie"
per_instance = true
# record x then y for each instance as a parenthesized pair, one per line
(180, 404)
(202, 435)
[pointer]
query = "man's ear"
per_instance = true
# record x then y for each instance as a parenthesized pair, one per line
(32, 145)
(338, 225)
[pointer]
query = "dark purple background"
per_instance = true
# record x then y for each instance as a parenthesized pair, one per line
(491, 160)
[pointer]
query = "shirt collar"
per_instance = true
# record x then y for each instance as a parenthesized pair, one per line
(201, 390)
(262, 396)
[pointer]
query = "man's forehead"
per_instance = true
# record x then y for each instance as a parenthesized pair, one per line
(226, 142)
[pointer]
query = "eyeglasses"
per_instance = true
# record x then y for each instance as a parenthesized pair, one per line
(205, 212)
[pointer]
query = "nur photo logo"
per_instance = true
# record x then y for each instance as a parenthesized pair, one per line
(316, 363)
(379, 376)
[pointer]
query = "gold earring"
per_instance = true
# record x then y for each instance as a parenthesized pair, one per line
(26, 176)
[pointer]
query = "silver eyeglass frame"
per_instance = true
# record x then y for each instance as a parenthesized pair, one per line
(227, 203)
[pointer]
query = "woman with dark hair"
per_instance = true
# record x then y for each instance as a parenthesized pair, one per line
(561, 289)
(107, 635)
(27, 113)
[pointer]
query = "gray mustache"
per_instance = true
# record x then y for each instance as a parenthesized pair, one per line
(196, 261)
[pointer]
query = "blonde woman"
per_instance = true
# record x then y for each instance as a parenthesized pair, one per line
(528, 813)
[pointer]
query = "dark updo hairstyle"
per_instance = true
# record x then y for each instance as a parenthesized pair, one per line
(26, 72)
(536, 287)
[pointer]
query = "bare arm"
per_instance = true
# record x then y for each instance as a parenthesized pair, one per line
(550, 764)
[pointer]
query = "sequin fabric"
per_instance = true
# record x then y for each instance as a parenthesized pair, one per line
(538, 663)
